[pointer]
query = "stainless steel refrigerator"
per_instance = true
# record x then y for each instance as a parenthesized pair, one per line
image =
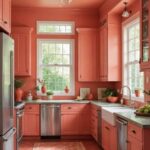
(7, 129)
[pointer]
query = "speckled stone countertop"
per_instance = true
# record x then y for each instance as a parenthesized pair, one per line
(140, 121)
(57, 102)
(97, 103)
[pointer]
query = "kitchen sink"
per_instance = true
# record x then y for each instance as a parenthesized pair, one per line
(108, 113)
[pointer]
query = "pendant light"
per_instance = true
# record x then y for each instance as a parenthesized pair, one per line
(125, 13)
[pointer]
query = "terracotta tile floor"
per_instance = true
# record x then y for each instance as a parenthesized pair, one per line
(28, 144)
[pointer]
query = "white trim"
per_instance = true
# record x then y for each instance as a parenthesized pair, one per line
(71, 23)
(72, 65)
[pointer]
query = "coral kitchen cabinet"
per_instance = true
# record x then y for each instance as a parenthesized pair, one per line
(109, 60)
(31, 121)
(145, 35)
(22, 38)
(109, 136)
(5, 15)
(87, 54)
(75, 119)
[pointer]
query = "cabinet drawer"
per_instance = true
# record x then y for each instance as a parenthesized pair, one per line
(32, 108)
(135, 131)
(74, 107)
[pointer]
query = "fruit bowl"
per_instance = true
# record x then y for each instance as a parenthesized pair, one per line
(143, 111)
(112, 99)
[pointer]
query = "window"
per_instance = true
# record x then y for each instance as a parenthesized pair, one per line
(55, 64)
(132, 76)
(55, 27)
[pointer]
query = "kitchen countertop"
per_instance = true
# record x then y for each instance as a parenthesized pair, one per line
(143, 122)
(140, 121)
(57, 102)
(97, 103)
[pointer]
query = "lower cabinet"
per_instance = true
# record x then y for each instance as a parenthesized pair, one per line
(134, 144)
(31, 120)
(109, 136)
(94, 122)
(75, 119)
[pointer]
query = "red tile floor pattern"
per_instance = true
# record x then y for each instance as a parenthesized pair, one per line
(28, 144)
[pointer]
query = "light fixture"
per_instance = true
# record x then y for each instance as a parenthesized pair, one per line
(65, 1)
(125, 13)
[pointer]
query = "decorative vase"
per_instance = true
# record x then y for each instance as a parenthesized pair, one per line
(43, 89)
(112, 99)
(50, 97)
(66, 89)
(18, 94)
(137, 93)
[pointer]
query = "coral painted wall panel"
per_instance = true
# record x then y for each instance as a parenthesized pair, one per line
(84, 18)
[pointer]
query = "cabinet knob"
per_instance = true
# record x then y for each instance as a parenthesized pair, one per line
(69, 107)
(5, 22)
(107, 128)
(133, 131)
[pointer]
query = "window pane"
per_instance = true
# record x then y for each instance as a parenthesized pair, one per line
(132, 75)
(56, 65)
(55, 27)
(56, 78)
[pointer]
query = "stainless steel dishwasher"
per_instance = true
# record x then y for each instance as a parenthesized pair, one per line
(121, 134)
(50, 120)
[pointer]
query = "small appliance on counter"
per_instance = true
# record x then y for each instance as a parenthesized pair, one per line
(7, 129)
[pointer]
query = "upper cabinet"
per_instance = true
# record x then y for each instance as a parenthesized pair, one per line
(5, 15)
(87, 54)
(22, 38)
(110, 50)
(145, 35)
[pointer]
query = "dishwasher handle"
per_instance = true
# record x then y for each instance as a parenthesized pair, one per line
(53, 106)
(122, 122)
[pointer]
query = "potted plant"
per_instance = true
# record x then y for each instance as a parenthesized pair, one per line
(111, 95)
(18, 90)
(50, 94)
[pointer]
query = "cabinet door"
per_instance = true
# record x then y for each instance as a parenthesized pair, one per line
(69, 124)
(84, 124)
(1, 18)
(134, 144)
(147, 84)
(103, 53)
(31, 124)
(7, 15)
(87, 54)
(22, 51)
(109, 136)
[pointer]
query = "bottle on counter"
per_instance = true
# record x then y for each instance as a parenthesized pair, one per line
(29, 96)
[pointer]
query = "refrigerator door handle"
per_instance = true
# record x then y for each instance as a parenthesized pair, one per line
(9, 134)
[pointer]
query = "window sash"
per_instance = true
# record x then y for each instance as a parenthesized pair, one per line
(40, 65)
(126, 53)
(58, 24)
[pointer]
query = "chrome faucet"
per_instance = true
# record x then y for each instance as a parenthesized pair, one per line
(131, 104)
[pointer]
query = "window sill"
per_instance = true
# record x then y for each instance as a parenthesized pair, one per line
(57, 94)
(139, 99)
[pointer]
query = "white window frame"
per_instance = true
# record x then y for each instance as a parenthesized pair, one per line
(71, 23)
(72, 66)
(124, 26)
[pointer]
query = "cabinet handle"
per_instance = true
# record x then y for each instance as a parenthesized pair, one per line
(69, 107)
(30, 107)
(133, 131)
(27, 70)
(140, 60)
(5, 22)
(107, 128)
